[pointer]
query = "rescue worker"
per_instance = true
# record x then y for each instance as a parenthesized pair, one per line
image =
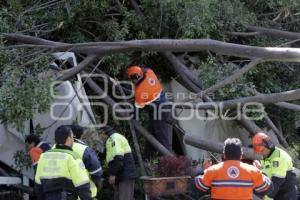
(120, 162)
(149, 91)
(233, 179)
(278, 166)
(61, 174)
(89, 158)
(35, 148)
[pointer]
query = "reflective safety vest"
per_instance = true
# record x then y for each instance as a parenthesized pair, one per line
(118, 150)
(148, 90)
(232, 179)
(278, 164)
(62, 170)
(79, 149)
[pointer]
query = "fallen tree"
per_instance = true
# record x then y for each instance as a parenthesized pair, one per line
(161, 45)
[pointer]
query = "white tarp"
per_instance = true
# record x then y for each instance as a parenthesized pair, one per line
(216, 130)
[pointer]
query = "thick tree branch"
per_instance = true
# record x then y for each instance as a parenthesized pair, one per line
(274, 32)
(250, 126)
(75, 70)
(289, 106)
(286, 105)
(136, 8)
(236, 75)
(244, 34)
(260, 98)
(190, 79)
(162, 45)
(277, 132)
(213, 146)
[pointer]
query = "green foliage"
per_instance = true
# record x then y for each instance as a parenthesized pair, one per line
(211, 72)
(24, 86)
(194, 19)
(22, 160)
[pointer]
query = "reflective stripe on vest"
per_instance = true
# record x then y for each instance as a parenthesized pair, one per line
(79, 149)
(60, 163)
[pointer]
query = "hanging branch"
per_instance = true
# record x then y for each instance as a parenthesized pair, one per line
(75, 70)
(162, 45)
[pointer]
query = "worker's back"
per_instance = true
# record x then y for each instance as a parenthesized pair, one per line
(148, 90)
(59, 172)
(232, 179)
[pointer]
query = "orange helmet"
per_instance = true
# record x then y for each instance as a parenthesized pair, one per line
(135, 70)
(260, 141)
(135, 73)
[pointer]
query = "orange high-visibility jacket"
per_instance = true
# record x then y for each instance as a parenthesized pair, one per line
(148, 90)
(35, 154)
(233, 179)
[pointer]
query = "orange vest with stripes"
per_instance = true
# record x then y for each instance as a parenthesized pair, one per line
(232, 179)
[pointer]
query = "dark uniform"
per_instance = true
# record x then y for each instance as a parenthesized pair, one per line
(121, 164)
(91, 162)
(149, 94)
(61, 175)
(279, 168)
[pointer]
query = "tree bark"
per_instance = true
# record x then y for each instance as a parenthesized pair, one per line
(261, 98)
(75, 70)
(162, 45)
(274, 32)
(136, 8)
(184, 73)
(213, 146)
(289, 106)
(277, 132)
(250, 126)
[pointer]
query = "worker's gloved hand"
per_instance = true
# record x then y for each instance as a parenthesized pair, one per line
(112, 180)
(257, 164)
(207, 163)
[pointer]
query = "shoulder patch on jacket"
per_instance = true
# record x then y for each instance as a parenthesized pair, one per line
(275, 163)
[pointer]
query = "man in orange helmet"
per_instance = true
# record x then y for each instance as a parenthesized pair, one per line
(278, 166)
(233, 179)
(149, 91)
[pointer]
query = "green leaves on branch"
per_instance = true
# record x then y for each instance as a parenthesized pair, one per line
(24, 88)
